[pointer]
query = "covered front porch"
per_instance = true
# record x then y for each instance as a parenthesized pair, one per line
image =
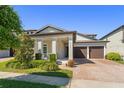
(54, 44)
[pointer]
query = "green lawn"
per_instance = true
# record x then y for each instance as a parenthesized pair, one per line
(38, 71)
(4, 83)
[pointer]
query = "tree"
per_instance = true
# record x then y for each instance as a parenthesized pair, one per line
(10, 27)
(24, 53)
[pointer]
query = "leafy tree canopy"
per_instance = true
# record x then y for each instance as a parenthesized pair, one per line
(25, 52)
(10, 27)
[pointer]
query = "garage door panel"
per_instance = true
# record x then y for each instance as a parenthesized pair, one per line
(96, 52)
(80, 52)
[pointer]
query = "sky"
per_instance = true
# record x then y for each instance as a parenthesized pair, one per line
(98, 20)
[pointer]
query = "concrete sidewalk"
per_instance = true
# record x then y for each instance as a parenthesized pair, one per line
(35, 78)
(80, 83)
(6, 59)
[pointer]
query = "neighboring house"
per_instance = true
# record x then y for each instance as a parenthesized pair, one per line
(116, 41)
(66, 44)
(4, 53)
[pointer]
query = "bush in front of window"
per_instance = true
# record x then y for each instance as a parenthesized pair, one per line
(38, 56)
(52, 57)
(49, 66)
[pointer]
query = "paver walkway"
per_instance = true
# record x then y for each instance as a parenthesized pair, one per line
(34, 78)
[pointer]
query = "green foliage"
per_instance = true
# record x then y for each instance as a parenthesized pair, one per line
(52, 57)
(38, 56)
(18, 65)
(113, 56)
(24, 53)
(49, 66)
(37, 63)
(10, 27)
(11, 64)
(37, 71)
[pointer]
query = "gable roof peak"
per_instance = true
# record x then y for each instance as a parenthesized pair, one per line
(52, 26)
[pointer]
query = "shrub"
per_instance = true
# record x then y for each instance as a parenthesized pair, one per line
(25, 66)
(113, 56)
(17, 65)
(70, 63)
(49, 66)
(24, 53)
(10, 64)
(52, 57)
(38, 56)
(37, 63)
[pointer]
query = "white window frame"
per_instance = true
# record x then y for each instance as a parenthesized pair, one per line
(43, 49)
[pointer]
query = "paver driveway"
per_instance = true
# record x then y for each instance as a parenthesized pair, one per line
(98, 73)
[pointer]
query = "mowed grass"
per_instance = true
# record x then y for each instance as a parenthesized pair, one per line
(4, 83)
(59, 73)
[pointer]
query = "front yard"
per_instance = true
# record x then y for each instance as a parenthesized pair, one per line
(38, 71)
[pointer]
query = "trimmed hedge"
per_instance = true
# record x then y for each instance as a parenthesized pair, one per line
(113, 56)
(52, 57)
(37, 63)
(18, 65)
(49, 66)
(38, 56)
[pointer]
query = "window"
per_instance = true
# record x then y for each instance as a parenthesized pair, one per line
(45, 48)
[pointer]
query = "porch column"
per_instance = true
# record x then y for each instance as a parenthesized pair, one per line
(35, 46)
(104, 50)
(39, 46)
(54, 46)
(88, 52)
(70, 47)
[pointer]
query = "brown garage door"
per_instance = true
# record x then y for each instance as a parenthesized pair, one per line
(96, 52)
(80, 52)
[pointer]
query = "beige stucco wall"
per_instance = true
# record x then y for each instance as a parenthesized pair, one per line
(60, 43)
(80, 37)
(115, 44)
(4, 53)
(60, 49)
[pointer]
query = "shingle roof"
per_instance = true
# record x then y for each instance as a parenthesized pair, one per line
(55, 27)
(60, 29)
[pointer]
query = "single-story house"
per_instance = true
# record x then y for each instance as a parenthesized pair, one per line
(67, 44)
(116, 41)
